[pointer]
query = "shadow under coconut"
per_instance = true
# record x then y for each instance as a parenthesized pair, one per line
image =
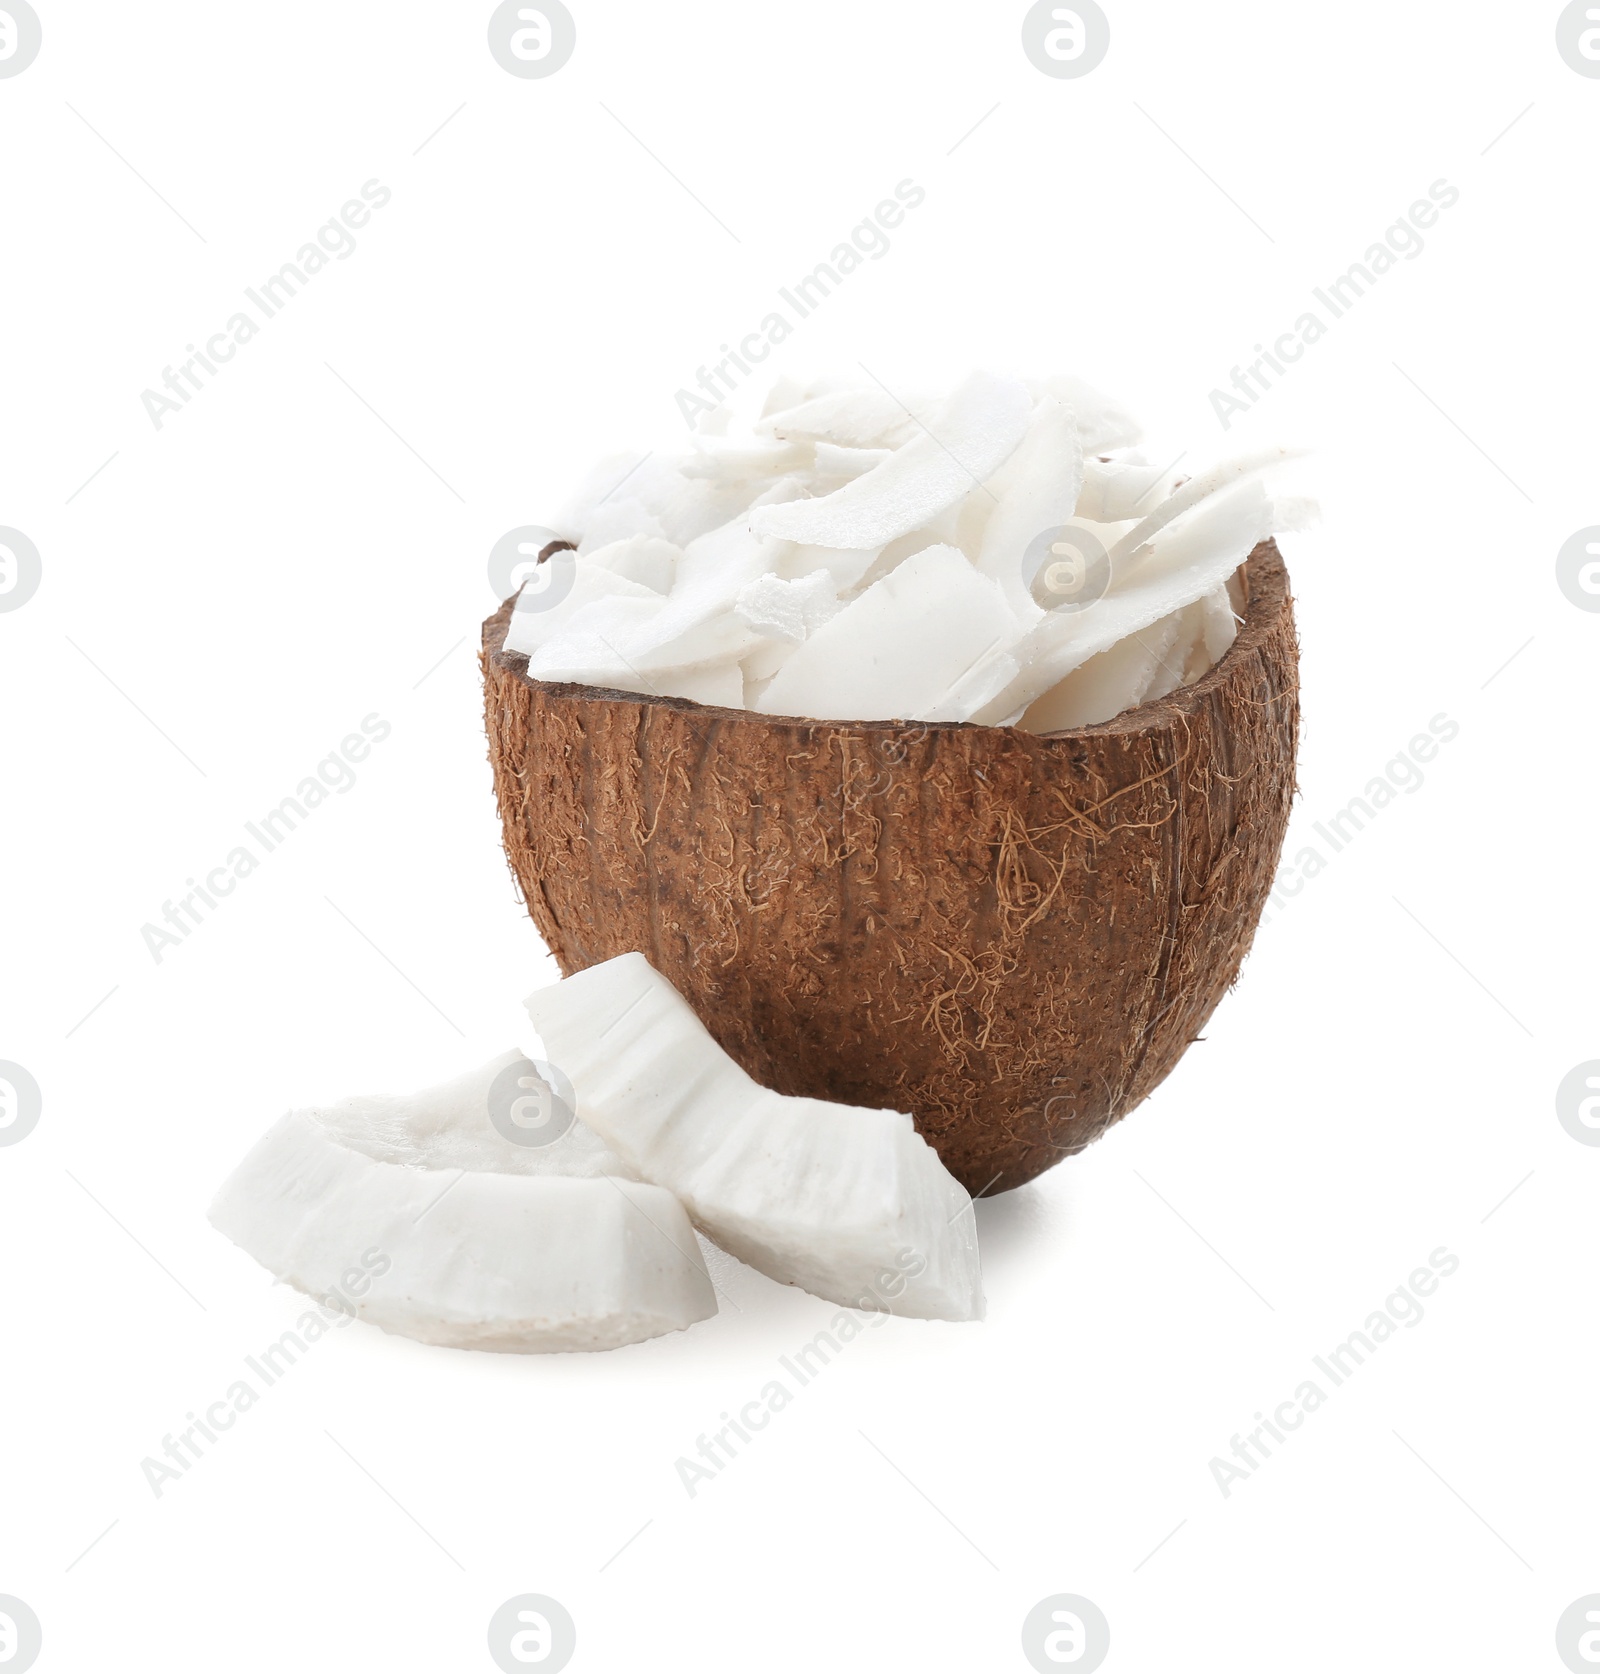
(1014, 1226)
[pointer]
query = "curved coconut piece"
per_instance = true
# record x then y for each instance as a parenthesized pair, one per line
(1013, 936)
(522, 1263)
(850, 1204)
(452, 1126)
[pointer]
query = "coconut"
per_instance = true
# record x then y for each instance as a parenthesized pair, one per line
(849, 1204)
(1011, 935)
(478, 1214)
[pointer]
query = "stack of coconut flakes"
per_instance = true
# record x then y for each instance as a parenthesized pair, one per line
(1002, 555)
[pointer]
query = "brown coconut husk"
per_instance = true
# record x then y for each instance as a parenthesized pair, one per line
(1012, 936)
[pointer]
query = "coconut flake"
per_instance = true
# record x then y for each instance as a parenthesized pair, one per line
(847, 463)
(857, 418)
(1111, 681)
(846, 483)
(1185, 562)
(1115, 491)
(898, 649)
(1102, 423)
(970, 439)
(1193, 492)
(617, 520)
(1035, 490)
(554, 596)
(645, 560)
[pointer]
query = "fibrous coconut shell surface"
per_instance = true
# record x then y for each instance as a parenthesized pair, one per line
(1012, 936)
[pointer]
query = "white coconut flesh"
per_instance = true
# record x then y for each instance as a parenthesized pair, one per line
(851, 556)
(416, 1215)
(850, 1204)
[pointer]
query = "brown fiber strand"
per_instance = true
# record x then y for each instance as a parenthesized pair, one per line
(1013, 936)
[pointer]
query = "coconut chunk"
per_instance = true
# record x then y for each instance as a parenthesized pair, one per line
(971, 437)
(850, 1204)
(468, 1122)
(898, 649)
(379, 1206)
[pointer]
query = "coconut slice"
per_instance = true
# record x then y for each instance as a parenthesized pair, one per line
(513, 1262)
(966, 443)
(850, 1204)
(900, 648)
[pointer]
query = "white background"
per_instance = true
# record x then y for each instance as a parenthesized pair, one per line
(233, 592)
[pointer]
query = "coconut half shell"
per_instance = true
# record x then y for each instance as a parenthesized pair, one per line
(1011, 935)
